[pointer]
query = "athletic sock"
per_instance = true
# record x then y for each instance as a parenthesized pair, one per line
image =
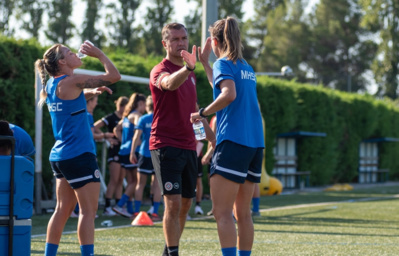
(156, 207)
(87, 250)
(117, 200)
(137, 205)
(51, 249)
(244, 253)
(129, 206)
(173, 251)
(107, 202)
(230, 251)
(198, 203)
(255, 204)
(165, 251)
(123, 200)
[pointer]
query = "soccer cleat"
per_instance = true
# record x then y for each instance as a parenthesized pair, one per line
(109, 212)
(210, 213)
(121, 211)
(255, 214)
(155, 217)
(188, 217)
(198, 210)
(134, 215)
(151, 210)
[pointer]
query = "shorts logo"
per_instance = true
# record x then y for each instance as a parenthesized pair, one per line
(97, 173)
(168, 186)
(176, 185)
(116, 158)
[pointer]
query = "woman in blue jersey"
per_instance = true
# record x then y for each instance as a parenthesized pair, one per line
(237, 160)
(124, 131)
(73, 157)
(144, 162)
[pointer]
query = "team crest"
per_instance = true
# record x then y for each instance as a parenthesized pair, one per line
(168, 186)
(176, 185)
(97, 173)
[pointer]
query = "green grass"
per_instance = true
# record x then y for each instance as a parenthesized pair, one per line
(358, 222)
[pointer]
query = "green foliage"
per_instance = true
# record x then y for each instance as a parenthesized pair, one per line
(347, 119)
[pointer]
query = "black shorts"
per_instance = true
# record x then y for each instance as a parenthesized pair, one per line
(200, 173)
(113, 154)
(145, 165)
(236, 162)
(78, 171)
(176, 170)
(125, 162)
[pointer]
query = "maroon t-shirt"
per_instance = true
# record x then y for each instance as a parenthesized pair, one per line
(171, 125)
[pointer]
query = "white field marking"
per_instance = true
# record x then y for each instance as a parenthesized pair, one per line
(261, 210)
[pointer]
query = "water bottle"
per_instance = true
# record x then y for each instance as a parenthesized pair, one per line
(199, 130)
(82, 55)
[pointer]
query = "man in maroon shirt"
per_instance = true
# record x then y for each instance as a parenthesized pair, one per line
(172, 141)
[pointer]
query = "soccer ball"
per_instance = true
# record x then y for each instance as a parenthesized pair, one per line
(287, 71)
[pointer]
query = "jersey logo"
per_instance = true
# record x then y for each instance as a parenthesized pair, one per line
(193, 80)
(248, 75)
(54, 107)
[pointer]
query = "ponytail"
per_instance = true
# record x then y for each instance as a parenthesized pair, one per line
(39, 64)
(48, 65)
(227, 33)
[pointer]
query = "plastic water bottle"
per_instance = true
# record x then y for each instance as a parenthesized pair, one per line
(199, 130)
(82, 55)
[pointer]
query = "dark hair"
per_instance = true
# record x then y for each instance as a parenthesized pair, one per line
(49, 65)
(170, 26)
(5, 130)
(133, 103)
(227, 33)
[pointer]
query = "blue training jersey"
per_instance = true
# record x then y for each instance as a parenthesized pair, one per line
(241, 121)
(145, 125)
(23, 142)
(127, 136)
(71, 129)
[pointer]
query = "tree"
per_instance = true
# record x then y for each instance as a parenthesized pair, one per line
(34, 10)
(157, 17)
(6, 9)
(338, 55)
(60, 28)
(382, 18)
(90, 31)
(121, 20)
(279, 34)
(230, 8)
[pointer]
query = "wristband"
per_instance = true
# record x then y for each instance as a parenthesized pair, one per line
(200, 112)
(190, 69)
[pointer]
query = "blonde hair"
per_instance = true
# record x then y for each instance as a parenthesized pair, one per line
(133, 103)
(48, 65)
(227, 33)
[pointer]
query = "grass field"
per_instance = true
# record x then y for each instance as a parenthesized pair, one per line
(358, 222)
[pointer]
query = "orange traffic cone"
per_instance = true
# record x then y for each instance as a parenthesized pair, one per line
(142, 220)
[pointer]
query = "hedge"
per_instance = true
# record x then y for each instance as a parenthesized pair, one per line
(287, 106)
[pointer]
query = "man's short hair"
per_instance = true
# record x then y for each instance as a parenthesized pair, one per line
(170, 26)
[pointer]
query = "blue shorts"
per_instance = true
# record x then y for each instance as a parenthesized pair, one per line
(176, 170)
(125, 162)
(145, 165)
(78, 171)
(236, 162)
